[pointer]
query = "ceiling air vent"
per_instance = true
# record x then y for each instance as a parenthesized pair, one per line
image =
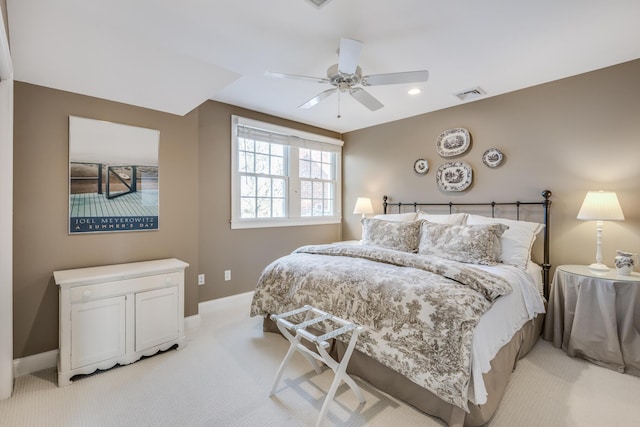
(469, 94)
(318, 3)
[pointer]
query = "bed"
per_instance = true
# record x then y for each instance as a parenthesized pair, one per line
(449, 300)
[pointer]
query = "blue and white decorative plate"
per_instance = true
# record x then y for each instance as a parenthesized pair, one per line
(421, 166)
(492, 157)
(454, 176)
(453, 142)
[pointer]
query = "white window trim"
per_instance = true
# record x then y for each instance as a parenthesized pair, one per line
(307, 139)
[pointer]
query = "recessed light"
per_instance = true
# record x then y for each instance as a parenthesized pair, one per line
(414, 91)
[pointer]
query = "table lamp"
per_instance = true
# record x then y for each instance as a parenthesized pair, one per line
(363, 206)
(600, 206)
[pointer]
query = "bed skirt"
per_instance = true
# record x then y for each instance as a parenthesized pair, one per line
(389, 381)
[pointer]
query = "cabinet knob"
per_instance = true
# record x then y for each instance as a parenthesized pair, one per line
(86, 293)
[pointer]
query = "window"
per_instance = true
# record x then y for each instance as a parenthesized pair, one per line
(282, 176)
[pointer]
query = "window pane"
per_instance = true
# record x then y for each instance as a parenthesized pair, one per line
(247, 207)
(316, 155)
(247, 186)
(305, 189)
(245, 161)
(328, 190)
(318, 192)
(245, 144)
(277, 150)
(327, 171)
(262, 163)
(264, 208)
(316, 170)
(305, 169)
(328, 207)
(277, 166)
(278, 188)
(264, 187)
(278, 208)
(262, 147)
(305, 207)
(327, 157)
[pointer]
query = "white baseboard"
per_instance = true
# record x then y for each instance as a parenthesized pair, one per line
(35, 363)
(192, 321)
(211, 305)
(48, 359)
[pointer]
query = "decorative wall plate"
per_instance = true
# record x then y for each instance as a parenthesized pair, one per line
(492, 157)
(421, 166)
(453, 142)
(454, 176)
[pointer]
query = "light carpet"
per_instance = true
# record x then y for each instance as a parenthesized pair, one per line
(223, 378)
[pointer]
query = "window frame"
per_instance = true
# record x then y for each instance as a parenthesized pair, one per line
(292, 139)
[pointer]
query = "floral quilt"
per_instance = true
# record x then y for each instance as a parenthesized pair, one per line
(419, 311)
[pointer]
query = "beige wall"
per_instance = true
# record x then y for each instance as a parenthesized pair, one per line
(194, 208)
(41, 243)
(569, 136)
(244, 252)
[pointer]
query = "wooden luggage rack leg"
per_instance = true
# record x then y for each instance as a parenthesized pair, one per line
(321, 345)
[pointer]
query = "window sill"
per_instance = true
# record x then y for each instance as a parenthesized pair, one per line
(284, 222)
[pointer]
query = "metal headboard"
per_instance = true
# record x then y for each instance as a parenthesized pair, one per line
(546, 203)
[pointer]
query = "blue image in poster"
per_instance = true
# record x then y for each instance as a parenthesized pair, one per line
(113, 177)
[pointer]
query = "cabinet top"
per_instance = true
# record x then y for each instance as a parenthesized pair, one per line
(110, 273)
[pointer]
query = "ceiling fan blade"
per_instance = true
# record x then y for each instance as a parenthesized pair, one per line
(365, 98)
(396, 78)
(296, 77)
(349, 55)
(316, 99)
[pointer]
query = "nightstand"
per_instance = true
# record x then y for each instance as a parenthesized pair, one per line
(596, 316)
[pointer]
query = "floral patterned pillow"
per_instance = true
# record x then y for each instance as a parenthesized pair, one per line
(463, 243)
(399, 235)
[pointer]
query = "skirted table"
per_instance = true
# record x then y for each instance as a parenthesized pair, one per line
(596, 316)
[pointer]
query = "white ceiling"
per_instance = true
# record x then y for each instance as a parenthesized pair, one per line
(173, 55)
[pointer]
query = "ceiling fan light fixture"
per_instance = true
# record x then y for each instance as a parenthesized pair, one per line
(469, 94)
(414, 91)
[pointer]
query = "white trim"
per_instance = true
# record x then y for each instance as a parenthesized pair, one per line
(284, 130)
(49, 359)
(284, 222)
(213, 305)
(6, 215)
(35, 363)
(191, 322)
(6, 65)
(292, 215)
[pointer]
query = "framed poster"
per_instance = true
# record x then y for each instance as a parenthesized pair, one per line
(113, 177)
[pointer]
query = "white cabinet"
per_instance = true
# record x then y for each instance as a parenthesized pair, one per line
(116, 314)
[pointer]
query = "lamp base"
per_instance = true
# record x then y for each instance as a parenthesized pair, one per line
(599, 267)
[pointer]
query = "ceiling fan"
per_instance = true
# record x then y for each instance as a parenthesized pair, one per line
(346, 77)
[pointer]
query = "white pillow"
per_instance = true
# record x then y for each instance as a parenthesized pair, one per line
(516, 242)
(409, 216)
(452, 219)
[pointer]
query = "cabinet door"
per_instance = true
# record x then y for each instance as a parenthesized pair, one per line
(156, 317)
(98, 330)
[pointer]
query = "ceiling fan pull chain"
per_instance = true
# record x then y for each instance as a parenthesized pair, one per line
(339, 104)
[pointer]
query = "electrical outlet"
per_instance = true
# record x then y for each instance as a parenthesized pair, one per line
(227, 275)
(200, 279)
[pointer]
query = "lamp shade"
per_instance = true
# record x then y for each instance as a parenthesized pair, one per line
(601, 206)
(363, 206)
